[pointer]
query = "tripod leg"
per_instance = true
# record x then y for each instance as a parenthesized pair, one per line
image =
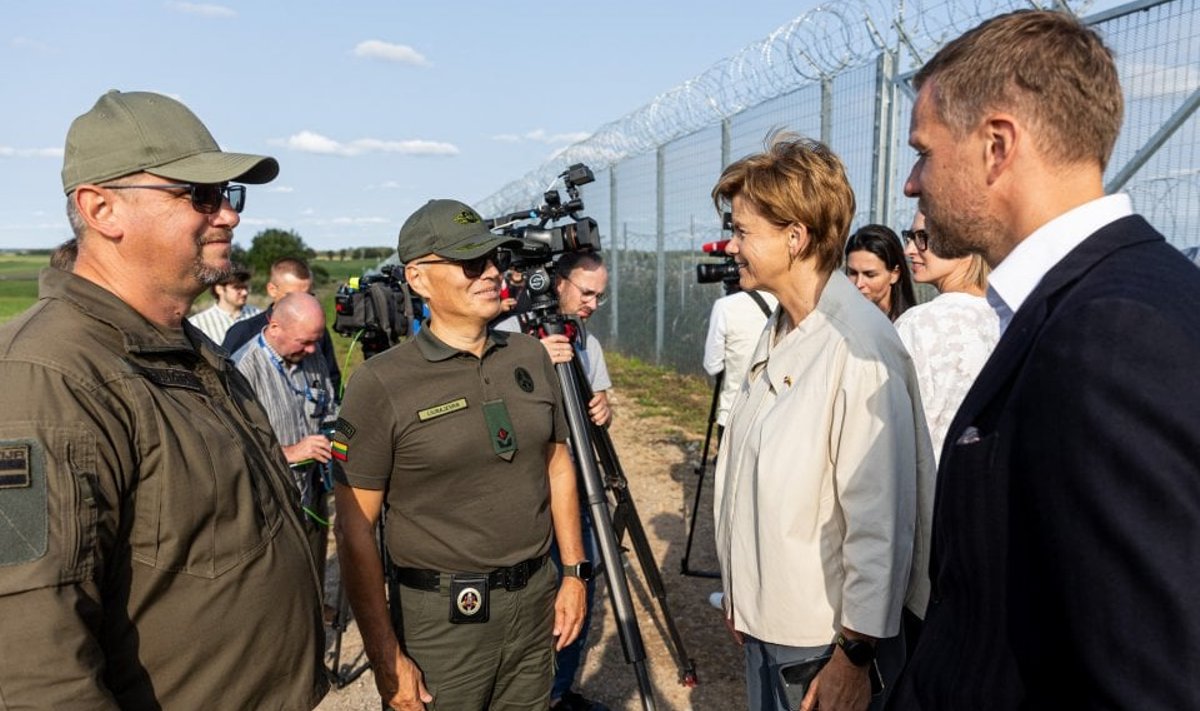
(625, 518)
(618, 586)
(700, 471)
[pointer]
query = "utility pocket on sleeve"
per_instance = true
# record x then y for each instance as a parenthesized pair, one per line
(48, 506)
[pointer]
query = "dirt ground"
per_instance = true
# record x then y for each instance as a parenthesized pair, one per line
(661, 468)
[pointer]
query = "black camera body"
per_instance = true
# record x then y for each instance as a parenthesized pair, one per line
(377, 309)
(725, 271)
(543, 241)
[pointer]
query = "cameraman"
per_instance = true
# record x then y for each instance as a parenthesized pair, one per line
(580, 286)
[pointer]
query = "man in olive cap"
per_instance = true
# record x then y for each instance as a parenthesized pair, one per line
(462, 431)
(151, 555)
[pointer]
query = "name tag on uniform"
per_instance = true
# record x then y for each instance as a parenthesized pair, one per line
(445, 408)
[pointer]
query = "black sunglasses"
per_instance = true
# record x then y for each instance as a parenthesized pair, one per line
(207, 198)
(474, 268)
(918, 237)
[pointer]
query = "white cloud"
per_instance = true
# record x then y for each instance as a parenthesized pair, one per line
(32, 45)
(386, 185)
(360, 221)
(312, 142)
(281, 189)
(401, 53)
(540, 135)
(203, 9)
(8, 152)
(258, 221)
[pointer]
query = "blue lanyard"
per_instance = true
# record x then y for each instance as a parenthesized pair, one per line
(314, 393)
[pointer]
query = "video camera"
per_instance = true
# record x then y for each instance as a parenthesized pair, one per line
(726, 271)
(377, 309)
(542, 242)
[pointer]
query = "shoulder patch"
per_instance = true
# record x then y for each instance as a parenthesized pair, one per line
(24, 501)
(15, 470)
(445, 408)
(345, 428)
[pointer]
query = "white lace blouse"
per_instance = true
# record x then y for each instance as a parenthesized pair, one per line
(949, 338)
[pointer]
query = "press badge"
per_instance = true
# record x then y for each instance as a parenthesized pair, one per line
(500, 429)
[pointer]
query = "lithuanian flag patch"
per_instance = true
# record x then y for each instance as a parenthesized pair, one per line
(340, 450)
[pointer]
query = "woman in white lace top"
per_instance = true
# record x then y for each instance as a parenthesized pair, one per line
(950, 337)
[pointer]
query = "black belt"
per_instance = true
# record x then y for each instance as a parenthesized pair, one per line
(513, 577)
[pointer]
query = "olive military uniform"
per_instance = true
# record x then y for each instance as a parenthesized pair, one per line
(460, 444)
(150, 551)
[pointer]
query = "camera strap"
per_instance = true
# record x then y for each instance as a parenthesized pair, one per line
(762, 303)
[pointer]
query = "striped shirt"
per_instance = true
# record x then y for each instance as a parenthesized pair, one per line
(298, 397)
(214, 322)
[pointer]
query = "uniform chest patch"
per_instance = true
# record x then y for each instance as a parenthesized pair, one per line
(524, 379)
(14, 467)
(445, 408)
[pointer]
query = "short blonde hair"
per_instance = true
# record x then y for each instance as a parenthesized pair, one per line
(977, 273)
(795, 180)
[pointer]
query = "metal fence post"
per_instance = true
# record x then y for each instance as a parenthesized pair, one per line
(826, 109)
(614, 274)
(660, 276)
(883, 148)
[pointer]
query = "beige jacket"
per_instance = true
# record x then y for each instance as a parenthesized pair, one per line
(817, 484)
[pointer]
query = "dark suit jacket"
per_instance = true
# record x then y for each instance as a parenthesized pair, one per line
(240, 333)
(1066, 539)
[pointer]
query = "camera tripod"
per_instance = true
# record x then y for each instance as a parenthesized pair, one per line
(593, 450)
(731, 288)
(701, 468)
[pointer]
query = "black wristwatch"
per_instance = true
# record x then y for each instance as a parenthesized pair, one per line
(860, 652)
(581, 570)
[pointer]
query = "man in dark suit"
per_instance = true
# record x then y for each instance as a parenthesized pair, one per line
(1066, 530)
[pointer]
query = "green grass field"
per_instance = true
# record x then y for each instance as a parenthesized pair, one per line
(18, 282)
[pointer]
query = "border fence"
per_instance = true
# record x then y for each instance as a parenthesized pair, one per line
(841, 73)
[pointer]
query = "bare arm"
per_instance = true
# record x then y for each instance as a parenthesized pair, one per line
(398, 679)
(571, 603)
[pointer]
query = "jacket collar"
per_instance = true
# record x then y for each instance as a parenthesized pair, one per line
(1014, 345)
(138, 335)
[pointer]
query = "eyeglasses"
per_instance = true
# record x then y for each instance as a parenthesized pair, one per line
(918, 237)
(474, 268)
(601, 297)
(207, 198)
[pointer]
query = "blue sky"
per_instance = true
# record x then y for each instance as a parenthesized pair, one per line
(371, 107)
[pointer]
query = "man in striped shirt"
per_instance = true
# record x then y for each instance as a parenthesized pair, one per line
(291, 380)
(229, 305)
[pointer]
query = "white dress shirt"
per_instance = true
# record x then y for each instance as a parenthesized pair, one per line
(1015, 278)
(816, 492)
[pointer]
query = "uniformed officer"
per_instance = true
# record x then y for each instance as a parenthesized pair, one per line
(150, 550)
(462, 431)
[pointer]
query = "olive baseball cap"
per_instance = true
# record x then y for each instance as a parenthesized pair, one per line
(136, 131)
(450, 229)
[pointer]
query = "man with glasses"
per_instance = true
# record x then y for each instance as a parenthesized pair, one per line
(151, 555)
(462, 431)
(286, 371)
(229, 305)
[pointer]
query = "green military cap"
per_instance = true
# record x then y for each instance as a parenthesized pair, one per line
(450, 229)
(132, 132)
